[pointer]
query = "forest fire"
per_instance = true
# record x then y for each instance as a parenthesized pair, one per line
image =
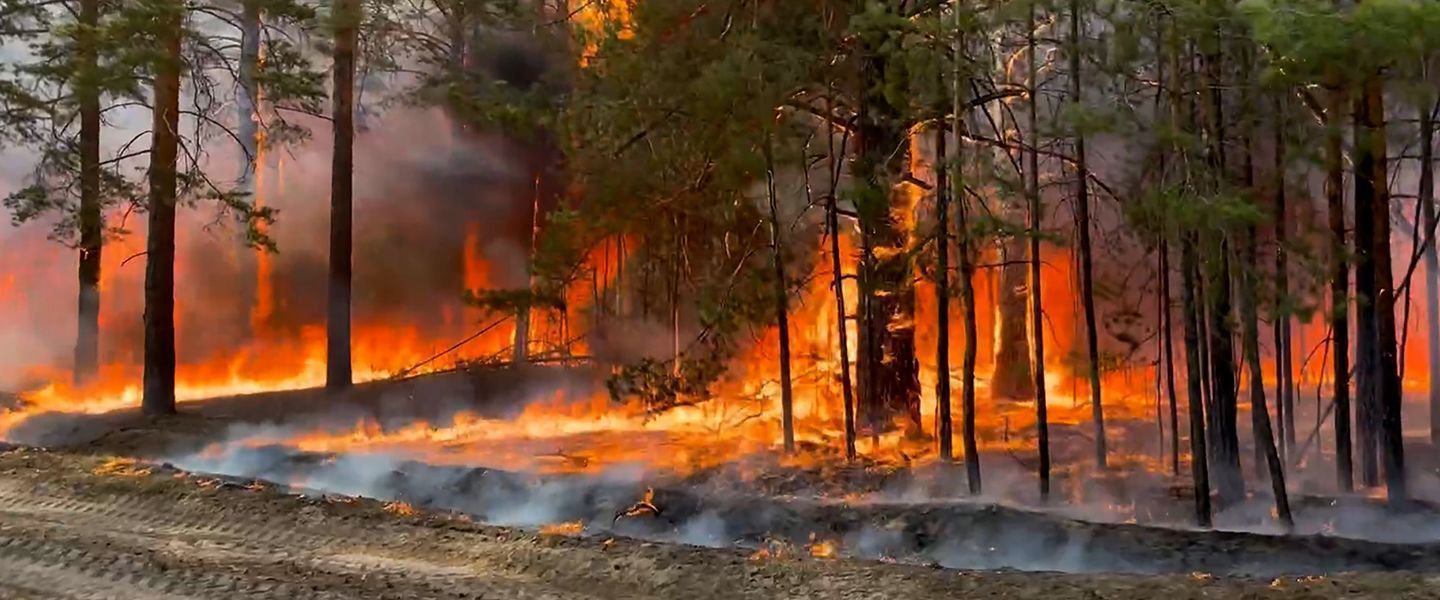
(692, 275)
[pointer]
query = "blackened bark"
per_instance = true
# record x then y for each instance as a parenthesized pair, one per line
(338, 374)
(1388, 401)
(888, 371)
(247, 101)
(1366, 265)
(967, 369)
(1037, 315)
(943, 424)
(1199, 471)
(1339, 287)
(1012, 378)
(1167, 341)
(782, 304)
(965, 254)
(1259, 413)
(1432, 264)
(159, 381)
(1225, 437)
(842, 320)
(1284, 363)
(92, 224)
(1082, 225)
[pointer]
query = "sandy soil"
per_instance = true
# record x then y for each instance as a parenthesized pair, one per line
(86, 526)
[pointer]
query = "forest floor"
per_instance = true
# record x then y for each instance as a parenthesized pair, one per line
(81, 525)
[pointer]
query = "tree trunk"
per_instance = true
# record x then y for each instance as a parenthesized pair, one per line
(1082, 225)
(337, 372)
(247, 101)
(842, 320)
(1339, 286)
(1388, 402)
(1037, 315)
(888, 371)
(943, 423)
(782, 304)
(1367, 328)
(1199, 471)
(1284, 363)
(1167, 342)
(159, 381)
(1259, 413)
(1012, 378)
(1432, 264)
(967, 266)
(1225, 438)
(92, 223)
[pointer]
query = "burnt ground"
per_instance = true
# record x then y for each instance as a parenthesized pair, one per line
(84, 526)
(70, 523)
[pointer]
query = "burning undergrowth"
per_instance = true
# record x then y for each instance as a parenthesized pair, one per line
(648, 478)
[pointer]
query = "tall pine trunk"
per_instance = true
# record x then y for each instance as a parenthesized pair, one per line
(967, 266)
(888, 371)
(842, 320)
(782, 304)
(92, 224)
(337, 331)
(247, 101)
(1367, 330)
(1339, 285)
(1199, 466)
(1082, 225)
(159, 380)
(1284, 362)
(943, 423)
(1037, 315)
(1224, 438)
(1432, 263)
(1390, 436)
(1259, 413)
(1167, 342)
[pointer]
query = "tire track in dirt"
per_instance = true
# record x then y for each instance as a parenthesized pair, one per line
(160, 548)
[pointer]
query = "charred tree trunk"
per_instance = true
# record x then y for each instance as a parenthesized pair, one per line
(1366, 266)
(247, 102)
(1432, 263)
(92, 223)
(842, 320)
(1012, 378)
(337, 330)
(782, 304)
(1225, 438)
(1259, 413)
(967, 267)
(1167, 341)
(943, 423)
(159, 381)
(1037, 315)
(1284, 362)
(1199, 469)
(1389, 398)
(1339, 286)
(888, 371)
(1082, 225)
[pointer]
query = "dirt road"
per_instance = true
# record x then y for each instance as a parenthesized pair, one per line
(76, 526)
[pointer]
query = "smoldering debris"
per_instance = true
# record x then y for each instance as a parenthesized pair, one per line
(949, 534)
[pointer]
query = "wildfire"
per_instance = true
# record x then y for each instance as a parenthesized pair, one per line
(571, 528)
(121, 467)
(401, 509)
(823, 548)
